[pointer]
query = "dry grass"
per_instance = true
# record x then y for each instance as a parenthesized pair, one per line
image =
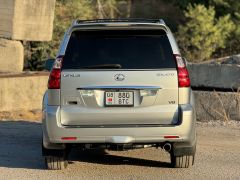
(219, 105)
(32, 115)
(224, 110)
(238, 101)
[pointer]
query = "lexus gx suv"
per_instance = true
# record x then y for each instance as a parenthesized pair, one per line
(118, 84)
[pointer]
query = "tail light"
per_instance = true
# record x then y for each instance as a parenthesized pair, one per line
(55, 75)
(183, 75)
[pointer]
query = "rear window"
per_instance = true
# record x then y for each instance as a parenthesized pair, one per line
(131, 49)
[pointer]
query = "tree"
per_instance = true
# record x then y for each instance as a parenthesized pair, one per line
(232, 7)
(183, 4)
(222, 8)
(203, 33)
(107, 9)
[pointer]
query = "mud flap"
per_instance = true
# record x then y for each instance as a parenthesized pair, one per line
(185, 148)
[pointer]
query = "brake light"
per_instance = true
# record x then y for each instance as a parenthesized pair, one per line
(55, 75)
(183, 75)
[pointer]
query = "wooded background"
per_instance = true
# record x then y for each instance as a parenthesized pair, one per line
(204, 29)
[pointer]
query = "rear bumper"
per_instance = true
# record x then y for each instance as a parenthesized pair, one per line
(54, 131)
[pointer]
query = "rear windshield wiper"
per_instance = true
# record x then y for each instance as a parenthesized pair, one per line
(104, 66)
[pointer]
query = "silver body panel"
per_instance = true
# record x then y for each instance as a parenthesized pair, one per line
(90, 110)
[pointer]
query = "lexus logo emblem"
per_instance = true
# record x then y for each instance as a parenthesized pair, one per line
(119, 77)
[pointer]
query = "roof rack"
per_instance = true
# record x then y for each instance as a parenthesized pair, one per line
(137, 20)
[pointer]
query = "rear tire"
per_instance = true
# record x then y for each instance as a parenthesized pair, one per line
(55, 163)
(55, 159)
(185, 161)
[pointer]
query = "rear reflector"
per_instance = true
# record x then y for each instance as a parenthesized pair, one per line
(171, 137)
(69, 138)
(183, 75)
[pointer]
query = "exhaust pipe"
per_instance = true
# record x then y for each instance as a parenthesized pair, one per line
(167, 147)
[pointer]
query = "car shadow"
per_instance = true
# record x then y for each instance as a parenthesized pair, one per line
(20, 147)
(103, 157)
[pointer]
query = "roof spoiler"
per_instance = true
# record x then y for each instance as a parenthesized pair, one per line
(130, 20)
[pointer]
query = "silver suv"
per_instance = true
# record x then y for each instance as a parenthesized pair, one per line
(118, 84)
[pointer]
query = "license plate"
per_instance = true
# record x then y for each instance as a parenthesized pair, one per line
(122, 98)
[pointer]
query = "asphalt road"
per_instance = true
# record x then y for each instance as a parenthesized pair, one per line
(218, 157)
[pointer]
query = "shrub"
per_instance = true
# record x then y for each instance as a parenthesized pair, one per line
(203, 33)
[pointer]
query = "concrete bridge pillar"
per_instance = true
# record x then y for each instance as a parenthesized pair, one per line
(22, 20)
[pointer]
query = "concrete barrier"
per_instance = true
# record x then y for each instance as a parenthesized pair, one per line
(11, 56)
(22, 91)
(30, 20)
(219, 76)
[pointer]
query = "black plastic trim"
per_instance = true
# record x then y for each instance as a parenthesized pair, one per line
(183, 149)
